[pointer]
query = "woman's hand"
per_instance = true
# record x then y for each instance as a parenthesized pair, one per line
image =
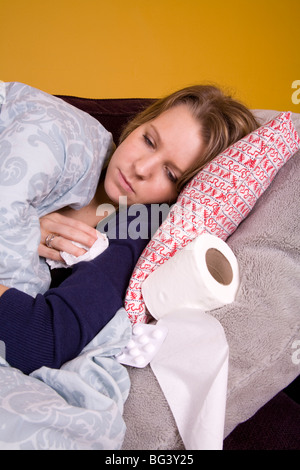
(61, 230)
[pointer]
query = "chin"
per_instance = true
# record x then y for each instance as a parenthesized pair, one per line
(111, 192)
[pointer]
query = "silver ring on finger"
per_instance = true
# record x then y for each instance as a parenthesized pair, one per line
(49, 239)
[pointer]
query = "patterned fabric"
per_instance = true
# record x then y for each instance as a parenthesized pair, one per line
(79, 406)
(216, 200)
(51, 156)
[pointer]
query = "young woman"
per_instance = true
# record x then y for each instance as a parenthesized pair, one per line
(214, 120)
(160, 150)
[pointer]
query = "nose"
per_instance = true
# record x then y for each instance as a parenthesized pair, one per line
(145, 167)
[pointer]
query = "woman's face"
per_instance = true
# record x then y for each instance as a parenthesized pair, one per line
(147, 164)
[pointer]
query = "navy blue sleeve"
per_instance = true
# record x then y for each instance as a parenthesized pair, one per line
(53, 328)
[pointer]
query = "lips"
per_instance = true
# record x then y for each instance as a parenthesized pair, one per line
(124, 183)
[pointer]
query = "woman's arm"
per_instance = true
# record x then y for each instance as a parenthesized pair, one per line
(53, 328)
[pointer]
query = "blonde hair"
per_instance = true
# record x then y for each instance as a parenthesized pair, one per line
(223, 120)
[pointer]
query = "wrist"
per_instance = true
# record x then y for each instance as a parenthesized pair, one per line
(3, 289)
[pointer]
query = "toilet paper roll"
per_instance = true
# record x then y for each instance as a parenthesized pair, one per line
(203, 275)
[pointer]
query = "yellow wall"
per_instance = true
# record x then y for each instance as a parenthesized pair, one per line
(147, 48)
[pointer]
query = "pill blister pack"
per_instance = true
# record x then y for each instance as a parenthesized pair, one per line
(145, 342)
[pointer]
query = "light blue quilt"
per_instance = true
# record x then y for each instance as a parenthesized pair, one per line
(51, 156)
(79, 406)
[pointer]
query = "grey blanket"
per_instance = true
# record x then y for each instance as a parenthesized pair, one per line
(262, 326)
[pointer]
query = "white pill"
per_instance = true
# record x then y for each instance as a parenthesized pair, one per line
(143, 339)
(149, 348)
(139, 360)
(137, 330)
(134, 352)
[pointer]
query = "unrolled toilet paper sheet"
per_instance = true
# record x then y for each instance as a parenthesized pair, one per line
(192, 367)
(192, 364)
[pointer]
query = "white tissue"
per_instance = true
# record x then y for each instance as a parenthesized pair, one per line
(204, 275)
(69, 260)
(191, 367)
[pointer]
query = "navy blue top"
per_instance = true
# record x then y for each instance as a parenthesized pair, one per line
(54, 327)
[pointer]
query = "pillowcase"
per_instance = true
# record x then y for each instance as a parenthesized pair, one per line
(216, 200)
(51, 156)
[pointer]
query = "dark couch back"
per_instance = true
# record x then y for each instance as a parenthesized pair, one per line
(113, 114)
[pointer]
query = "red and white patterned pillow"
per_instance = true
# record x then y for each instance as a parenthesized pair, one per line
(216, 200)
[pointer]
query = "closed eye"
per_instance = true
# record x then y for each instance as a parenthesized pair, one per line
(172, 177)
(148, 141)
(170, 174)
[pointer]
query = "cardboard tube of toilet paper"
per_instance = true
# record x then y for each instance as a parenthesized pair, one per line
(203, 275)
